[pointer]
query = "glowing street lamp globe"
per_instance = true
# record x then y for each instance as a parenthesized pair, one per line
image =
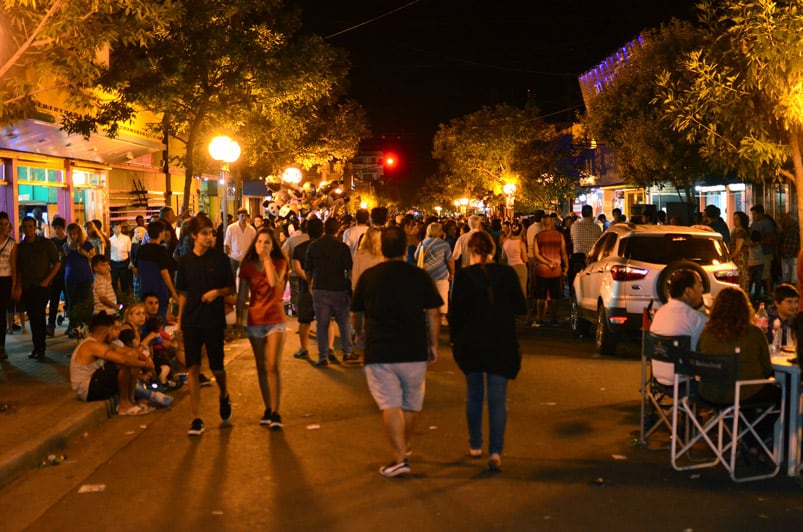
(224, 149)
(509, 189)
(292, 175)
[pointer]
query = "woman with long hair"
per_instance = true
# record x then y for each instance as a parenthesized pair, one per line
(368, 255)
(78, 277)
(486, 297)
(740, 247)
(8, 276)
(264, 272)
(515, 251)
(134, 319)
(730, 329)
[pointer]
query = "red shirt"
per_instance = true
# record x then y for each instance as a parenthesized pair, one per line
(266, 306)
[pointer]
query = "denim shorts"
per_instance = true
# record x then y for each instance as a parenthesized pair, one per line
(397, 385)
(261, 331)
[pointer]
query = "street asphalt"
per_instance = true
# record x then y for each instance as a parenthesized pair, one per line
(571, 459)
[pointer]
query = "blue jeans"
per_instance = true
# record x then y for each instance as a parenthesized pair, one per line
(497, 409)
(328, 303)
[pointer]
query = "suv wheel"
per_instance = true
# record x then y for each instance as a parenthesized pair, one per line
(606, 339)
(662, 284)
(579, 326)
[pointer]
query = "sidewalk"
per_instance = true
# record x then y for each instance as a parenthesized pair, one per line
(38, 410)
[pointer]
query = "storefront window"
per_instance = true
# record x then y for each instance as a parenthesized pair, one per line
(34, 174)
(37, 194)
(84, 178)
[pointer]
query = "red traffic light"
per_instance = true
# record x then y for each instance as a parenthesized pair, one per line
(390, 160)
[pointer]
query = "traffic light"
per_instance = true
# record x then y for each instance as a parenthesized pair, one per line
(390, 161)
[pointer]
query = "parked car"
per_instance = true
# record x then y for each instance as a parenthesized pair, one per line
(628, 268)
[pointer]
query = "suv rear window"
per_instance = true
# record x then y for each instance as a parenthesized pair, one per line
(664, 249)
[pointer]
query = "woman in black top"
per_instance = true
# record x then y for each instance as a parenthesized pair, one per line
(486, 297)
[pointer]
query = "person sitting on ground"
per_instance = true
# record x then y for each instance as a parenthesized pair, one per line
(164, 351)
(102, 291)
(679, 317)
(100, 370)
(784, 308)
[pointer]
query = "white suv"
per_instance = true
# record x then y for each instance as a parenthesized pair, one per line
(628, 268)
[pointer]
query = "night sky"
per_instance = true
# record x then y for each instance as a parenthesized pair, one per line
(440, 59)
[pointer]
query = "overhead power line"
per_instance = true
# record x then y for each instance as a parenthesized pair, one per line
(369, 21)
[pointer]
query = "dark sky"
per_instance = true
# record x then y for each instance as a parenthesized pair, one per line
(440, 59)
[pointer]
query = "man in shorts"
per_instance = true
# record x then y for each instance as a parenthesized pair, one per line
(204, 279)
(100, 370)
(399, 344)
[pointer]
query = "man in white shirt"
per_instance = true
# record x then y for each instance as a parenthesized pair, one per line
(460, 253)
(239, 236)
(120, 258)
(352, 235)
(679, 317)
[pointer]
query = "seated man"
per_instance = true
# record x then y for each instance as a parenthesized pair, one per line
(99, 369)
(679, 317)
(784, 308)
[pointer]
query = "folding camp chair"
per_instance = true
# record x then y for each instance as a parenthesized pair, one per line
(657, 398)
(729, 424)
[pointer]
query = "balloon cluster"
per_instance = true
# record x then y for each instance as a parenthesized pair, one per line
(286, 201)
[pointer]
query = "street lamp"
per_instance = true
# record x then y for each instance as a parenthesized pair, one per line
(510, 190)
(438, 209)
(292, 175)
(464, 205)
(226, 151)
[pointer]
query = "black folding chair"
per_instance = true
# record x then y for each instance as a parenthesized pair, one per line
(729, 424)
(657, 400)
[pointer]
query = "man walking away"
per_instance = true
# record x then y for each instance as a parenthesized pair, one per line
(584, 234)
(399, 343)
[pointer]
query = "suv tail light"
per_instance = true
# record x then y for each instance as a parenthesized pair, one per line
(727, 276)
(628, 273)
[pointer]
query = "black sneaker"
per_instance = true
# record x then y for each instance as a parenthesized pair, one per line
(333, 359)
(265, 418)
(301, 353)
(275, 421)
(203, 380)
(197, 427)
(322, 363)
(395, 469)
(35, 356)
(225, 409)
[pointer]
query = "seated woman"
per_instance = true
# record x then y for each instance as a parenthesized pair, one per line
(730, 329)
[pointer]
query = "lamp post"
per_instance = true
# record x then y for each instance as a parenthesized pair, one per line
(510, 191)
(226, 151)
(292, 175)
(438, 209)
(464, 205)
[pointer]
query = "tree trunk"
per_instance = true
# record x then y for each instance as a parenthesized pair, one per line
(189, 156)
(797, 162)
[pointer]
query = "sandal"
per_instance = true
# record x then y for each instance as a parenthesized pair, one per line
(133, 411)
(474, 453)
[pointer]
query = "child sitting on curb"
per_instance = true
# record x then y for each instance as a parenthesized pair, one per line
(102, 290)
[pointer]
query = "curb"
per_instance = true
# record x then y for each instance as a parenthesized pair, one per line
(29, 456)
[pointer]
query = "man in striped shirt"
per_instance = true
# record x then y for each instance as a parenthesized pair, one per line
(584, 234)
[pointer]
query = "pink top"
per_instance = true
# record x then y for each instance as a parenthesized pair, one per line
(512, 248)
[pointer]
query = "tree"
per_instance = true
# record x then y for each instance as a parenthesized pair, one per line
(555, 164)
(741, 94)
(240, 67)
(625, 117)
(481, 152)
(48, 46)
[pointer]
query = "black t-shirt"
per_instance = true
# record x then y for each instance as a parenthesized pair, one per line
(300, 254)
(395, 296)
(329, 261)
(197, 274)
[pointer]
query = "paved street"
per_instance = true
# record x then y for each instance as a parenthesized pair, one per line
(569, 462)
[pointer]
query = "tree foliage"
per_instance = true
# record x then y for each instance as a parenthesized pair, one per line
(479, 153)
(625, 117)
(241, 68)
(741, 94)
(48, 46)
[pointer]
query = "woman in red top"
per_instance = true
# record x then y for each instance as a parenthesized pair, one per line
(264, 273)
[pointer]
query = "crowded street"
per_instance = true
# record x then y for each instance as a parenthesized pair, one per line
(572, 459)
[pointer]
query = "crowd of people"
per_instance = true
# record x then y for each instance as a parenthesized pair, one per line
(159, 296)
